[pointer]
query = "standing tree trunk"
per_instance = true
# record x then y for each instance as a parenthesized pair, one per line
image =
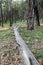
(36, 12)
(1, 17)
(11, 17)
(30, 22)
(10, 12)
(1, 13)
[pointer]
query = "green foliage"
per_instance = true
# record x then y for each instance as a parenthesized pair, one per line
(39, 54)
(41, 3)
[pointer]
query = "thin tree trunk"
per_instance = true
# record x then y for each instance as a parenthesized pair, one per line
(11, 17)
(1, 15)
(30, 25)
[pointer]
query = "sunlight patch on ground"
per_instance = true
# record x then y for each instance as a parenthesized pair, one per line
(4, 28)
(41, 24)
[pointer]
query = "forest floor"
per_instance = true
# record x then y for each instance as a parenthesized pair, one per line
(9, 49)
(34, 39)
(10, 52)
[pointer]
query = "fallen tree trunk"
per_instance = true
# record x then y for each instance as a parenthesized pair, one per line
(28, 56)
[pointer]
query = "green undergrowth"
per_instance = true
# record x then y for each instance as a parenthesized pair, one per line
(6, 34)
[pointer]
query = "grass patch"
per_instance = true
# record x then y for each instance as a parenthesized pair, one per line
(6, 34)
(39, 54)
